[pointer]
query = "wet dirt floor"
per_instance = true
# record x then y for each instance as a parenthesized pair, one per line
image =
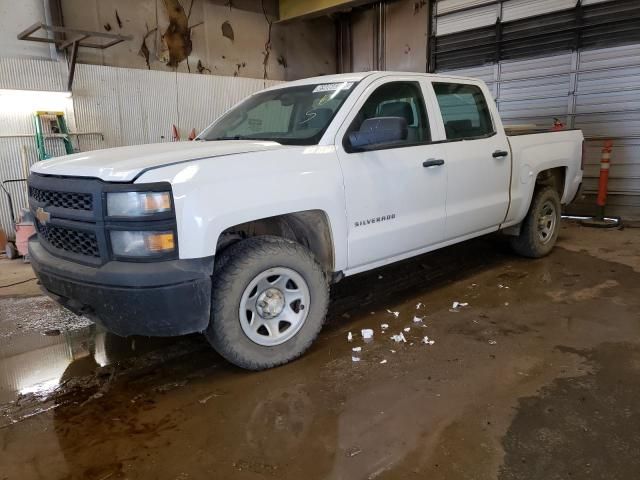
(538, 377)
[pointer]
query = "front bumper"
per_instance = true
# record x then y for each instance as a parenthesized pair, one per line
(166, 298)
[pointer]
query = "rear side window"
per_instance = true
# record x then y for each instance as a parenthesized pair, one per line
(464, 111)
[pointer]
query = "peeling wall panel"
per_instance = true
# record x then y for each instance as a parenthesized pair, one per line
(307, 47)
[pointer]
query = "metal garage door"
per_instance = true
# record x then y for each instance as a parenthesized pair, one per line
(547, 59)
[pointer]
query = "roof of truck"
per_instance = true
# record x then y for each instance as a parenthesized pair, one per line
(358, 76)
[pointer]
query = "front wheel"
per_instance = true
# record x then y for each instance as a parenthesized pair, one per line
(269, 301)
(540, 227)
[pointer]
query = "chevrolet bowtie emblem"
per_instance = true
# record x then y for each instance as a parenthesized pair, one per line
(42, 216)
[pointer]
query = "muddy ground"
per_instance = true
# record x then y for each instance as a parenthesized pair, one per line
(537, 378)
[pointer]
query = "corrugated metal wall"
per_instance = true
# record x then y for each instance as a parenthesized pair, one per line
(16, 124)
(596, 90)
(132, 106)
(110, 107)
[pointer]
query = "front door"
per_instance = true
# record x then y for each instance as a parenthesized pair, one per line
(395, 193)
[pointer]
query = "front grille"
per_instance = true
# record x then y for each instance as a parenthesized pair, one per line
(74, 241)
(71, 200)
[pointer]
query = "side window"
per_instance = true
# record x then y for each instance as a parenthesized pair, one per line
(397, 99)
(464, 111)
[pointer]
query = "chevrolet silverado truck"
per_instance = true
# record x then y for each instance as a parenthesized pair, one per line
(240, 233)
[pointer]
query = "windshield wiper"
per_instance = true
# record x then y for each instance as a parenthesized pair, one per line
(234, 137)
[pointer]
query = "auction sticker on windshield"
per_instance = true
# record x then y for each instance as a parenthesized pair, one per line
(330, 87)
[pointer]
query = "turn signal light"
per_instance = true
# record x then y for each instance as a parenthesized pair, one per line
(160, 242)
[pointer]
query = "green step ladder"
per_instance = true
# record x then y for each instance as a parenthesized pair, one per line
(51, 125)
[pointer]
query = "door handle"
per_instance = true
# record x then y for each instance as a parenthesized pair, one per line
(433, 162)
(500, 153)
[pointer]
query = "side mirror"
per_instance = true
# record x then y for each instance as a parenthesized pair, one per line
(377, 131)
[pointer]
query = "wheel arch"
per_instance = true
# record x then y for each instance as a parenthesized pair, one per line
(555, 177)
(310, 228)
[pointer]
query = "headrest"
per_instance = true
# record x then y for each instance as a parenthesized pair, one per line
(398, 109)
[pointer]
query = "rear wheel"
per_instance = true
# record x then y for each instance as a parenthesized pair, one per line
(269, 301)
(540, 227)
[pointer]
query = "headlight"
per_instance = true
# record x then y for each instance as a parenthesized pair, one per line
(141, 243)
(137, 204)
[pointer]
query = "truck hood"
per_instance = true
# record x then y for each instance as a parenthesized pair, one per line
(124, 164)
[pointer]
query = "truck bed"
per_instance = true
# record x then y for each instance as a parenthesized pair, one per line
(538, 150)
(517, 130)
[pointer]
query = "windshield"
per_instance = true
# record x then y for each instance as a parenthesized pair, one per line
(290, 115)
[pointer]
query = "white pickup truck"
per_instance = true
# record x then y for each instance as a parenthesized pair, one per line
(240, 233)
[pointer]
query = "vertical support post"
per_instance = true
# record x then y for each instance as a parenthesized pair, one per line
(72, 65)
(573, 87)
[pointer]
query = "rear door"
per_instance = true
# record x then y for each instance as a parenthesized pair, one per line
(478, 158)
(395, 194)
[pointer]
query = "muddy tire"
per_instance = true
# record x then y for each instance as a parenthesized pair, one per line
(540, 227)
(269, 301)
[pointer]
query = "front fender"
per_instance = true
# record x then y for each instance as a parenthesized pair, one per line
(212, 195)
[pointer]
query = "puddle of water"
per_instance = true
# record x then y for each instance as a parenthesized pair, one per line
(39, 341)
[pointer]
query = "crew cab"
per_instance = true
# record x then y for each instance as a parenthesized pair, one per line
(240, 233)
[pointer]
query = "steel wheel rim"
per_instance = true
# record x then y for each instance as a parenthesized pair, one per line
(274, 306)
(547, 220)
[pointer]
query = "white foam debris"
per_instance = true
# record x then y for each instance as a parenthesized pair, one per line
(349, 337)
(506, 304)
(492, 342)
(455, 306)
(355, 359)
(427, 341)
(399, 338)
(380, 277)
(392, 351)
(357, 349)
(407, 329)
(502, 286)
(366, 333)
(382, 362)
(395, 314)
(384, 326)
(418, 305)
(417, 320)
